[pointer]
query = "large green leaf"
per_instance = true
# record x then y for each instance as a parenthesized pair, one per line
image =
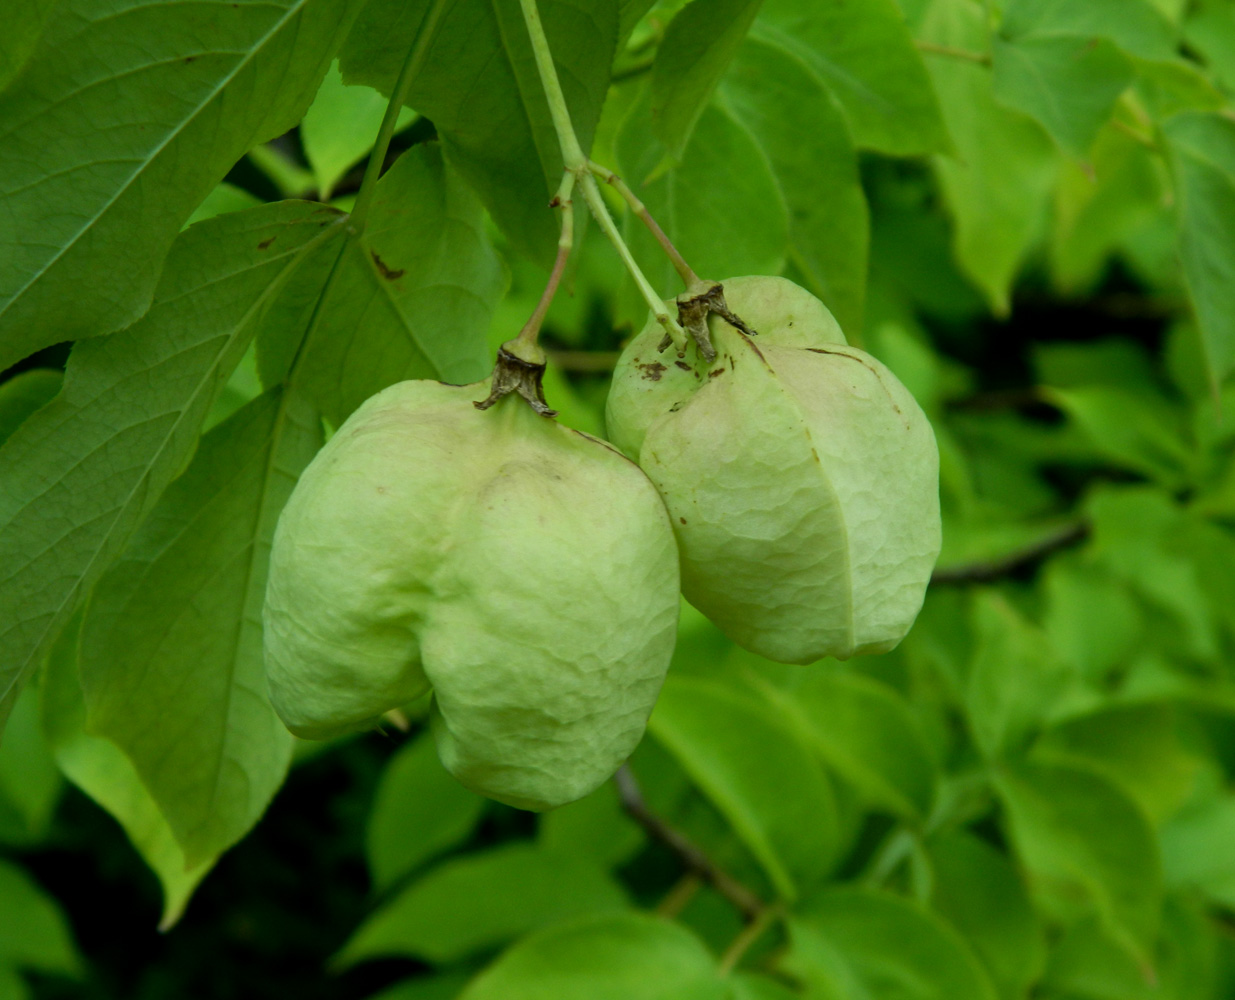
(698, 46)
(419, 810)
(625, 957)
(100, 769)
(476, 902)
(998, 183)
(863, 51)
(853, 944)
(479, 86)
(1202, 154)
(412, 297)
(171, 651)
(23, 23)
(758, 770)
(976, 888)
(1087, 847)
(80, 475)
(789, 113)
(124, 118)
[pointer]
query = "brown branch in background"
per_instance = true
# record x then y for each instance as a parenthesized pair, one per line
(995, 569)
(693, 858)
(588, 362)
(930, 48)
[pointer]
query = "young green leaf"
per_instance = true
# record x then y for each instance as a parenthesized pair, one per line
(419, 810)
(123, 119)
(480, 88)
(621, 957)
(758, 770)
(33, 931)
(340, 127)
(81, 474)
(479, 901)
(30, 785)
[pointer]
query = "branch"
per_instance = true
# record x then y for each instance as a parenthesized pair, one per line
(693, 858)
(995, 569)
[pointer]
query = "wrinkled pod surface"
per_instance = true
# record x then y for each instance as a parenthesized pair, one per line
(524, 572)
(801, 477)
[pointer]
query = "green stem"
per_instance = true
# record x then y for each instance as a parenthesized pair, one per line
(747, 936)
(411, 67)
(684, 270)
(524, 346)
(576, 163)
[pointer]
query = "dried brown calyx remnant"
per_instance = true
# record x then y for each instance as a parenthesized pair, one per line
(514, 374)
(695, 305)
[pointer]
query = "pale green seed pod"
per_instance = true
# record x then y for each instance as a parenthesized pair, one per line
(523, 571)
(801, 477)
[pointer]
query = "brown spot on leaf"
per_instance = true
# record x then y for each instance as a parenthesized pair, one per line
(189, 59)
(682, 519)
(683, 365)
(386, 272)
(716, 371)
(265, 243)
(652, 371)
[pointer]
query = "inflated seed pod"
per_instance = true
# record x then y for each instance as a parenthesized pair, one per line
(801, 477)
(524, 572)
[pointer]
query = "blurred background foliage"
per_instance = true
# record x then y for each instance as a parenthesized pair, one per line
(1029, 215)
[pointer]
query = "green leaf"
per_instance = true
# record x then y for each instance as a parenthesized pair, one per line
(745, 758)
(1196, 848)
(698, 46)
(21, 395)
(594, 827)
(1210, 30)
(29, 781)
(411, 299)
(997, 185)
(1136, 26)
(1068, 83)
(866, 732)
(100, 769)
(864, 53)
(721, 205)
(223, 198)
(341, 126)
(853, 944)
(1091, 617)
(1015, 677)
(1137, 428)
(979, 892)
(621, 957)
(33, 931)
(1201, 148)
(1139, 747)
(1087, 847)
(479, 86)
(419, 810)
(789, 113)
(171, 653)
(1096, 209)
(80, 475)
(125, 117)
(479, 901)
